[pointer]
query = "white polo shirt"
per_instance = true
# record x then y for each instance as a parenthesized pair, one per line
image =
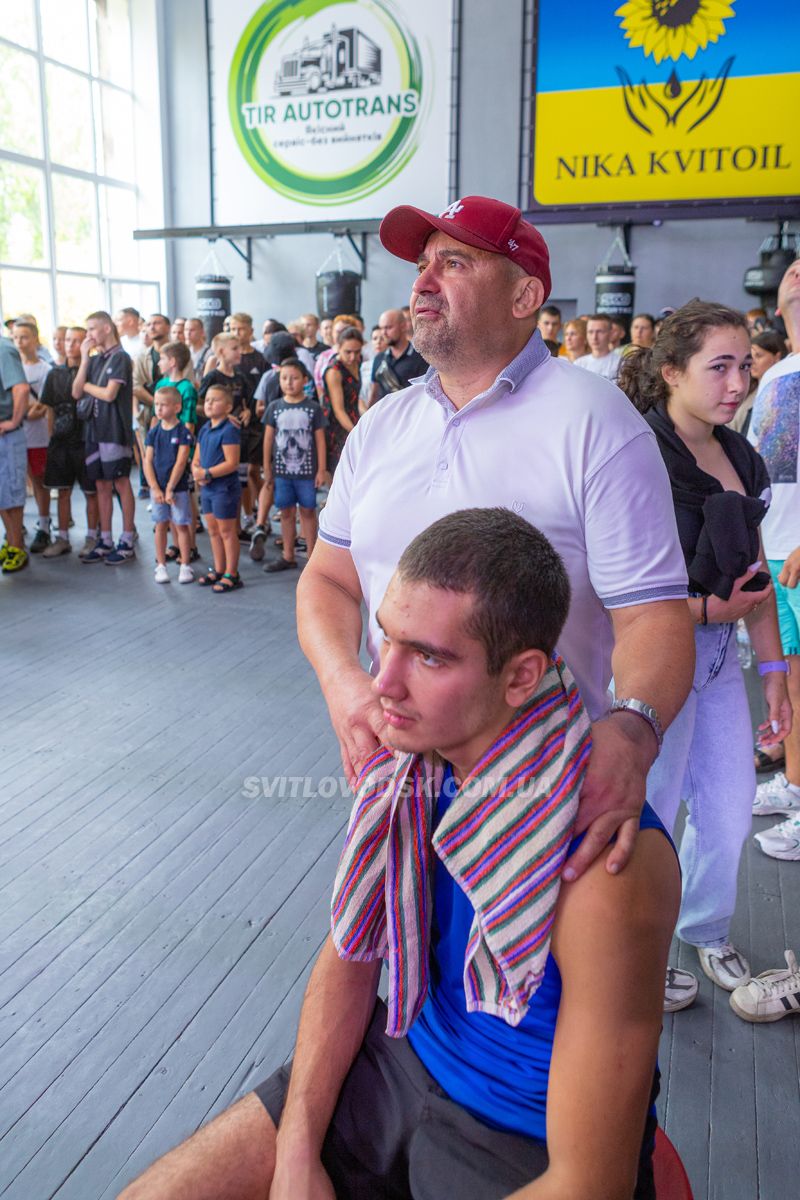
(607, 365)
(563, 448)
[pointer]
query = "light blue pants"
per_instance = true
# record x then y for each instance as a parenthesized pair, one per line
(707, 762)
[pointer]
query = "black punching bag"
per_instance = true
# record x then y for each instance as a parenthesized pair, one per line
(213, 295)
(615, 285)
(338, 290)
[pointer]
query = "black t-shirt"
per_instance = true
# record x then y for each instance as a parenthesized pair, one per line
(238, 383)
(408, 366)
(295, 450)
(253, 366)
(112, 422)
(57, 394)
(317, 349)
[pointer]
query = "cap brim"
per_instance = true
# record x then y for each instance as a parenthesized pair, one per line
(405, 230)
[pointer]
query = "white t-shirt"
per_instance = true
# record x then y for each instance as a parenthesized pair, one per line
(37, 433)
(775, 433)
(607, 366)
(132, 344)
(565, 450)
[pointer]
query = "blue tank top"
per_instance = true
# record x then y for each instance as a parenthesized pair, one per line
(497, 1073)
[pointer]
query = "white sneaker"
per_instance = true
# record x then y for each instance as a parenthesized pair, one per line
(782, 841)
(680, 990)
(186, 574)
(162, 574)
(724, 965)
(777, 795)
(770, 995)
(88, 546)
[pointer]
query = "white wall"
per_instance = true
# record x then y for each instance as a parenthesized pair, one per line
(675, 261)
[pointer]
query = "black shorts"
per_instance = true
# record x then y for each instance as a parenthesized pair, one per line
(396, 1135)
(66, 466)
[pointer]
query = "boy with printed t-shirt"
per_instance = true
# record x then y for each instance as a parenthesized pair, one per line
(216, 473)
(294, 438)
(166, 468)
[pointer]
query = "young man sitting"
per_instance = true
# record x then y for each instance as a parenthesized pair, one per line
(517, 1051)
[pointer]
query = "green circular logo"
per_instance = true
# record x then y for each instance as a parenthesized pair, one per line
(326, 98)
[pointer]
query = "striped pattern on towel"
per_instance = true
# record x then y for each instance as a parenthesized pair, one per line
(503, 839)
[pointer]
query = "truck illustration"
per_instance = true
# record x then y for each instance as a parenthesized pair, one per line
(343, 58)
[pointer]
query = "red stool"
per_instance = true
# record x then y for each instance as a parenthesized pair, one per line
(672, 1182)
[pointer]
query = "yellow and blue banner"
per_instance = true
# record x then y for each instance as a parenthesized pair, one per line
(666, 101)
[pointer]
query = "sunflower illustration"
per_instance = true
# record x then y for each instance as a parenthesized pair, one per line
(673, 28)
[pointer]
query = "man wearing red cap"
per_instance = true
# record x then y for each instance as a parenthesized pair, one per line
(497, 423)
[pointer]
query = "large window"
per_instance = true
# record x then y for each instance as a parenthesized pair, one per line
(69, 177)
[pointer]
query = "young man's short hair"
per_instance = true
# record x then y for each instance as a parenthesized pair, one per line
(222, 339)
(291, 361)
(21, 324)
(131, 312)
(242, 318)
(550, 310)
(519, 584)
(76, 329)
(101, 315)
(220, 389)
(179, 352)
(604, 317)
(171, 393)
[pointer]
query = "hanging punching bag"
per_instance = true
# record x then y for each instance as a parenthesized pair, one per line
(212, 294)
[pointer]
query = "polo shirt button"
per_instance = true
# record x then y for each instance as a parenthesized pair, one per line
(457, 422)
(442, 465)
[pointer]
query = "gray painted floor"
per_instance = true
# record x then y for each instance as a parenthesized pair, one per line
(161, 902)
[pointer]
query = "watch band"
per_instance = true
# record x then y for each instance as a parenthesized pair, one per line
(643, 710)
(766, 668)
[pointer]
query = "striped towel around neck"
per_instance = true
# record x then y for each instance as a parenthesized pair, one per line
(503, 839)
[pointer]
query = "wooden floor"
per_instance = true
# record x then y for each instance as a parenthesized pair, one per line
(163, 893)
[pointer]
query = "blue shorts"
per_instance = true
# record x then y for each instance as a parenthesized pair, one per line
(788, 602)
(180, 511)
(289, 492)
(13, 467)
(222, 503)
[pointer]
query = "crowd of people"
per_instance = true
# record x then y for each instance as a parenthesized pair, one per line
(659, 528)
(220, 431)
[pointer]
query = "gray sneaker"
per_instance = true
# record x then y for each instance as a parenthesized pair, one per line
(57, 547)
(87, 547)
(680, 990)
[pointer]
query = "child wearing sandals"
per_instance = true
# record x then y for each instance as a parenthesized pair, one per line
(166, 469)
(216, 473)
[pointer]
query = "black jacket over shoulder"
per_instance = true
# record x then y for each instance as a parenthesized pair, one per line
(718, 529)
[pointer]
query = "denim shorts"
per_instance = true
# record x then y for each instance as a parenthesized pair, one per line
(180, 511)
(289, 492)
(221, 502)
(13, 467)
(788, 602)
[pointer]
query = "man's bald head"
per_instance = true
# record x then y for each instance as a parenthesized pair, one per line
(392, 324)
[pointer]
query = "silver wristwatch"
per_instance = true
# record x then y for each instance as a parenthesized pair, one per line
(643, 710)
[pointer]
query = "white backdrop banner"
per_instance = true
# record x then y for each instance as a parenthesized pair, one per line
(329, 109)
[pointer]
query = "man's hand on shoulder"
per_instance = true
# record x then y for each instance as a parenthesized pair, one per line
(613, 792)
(357, 719)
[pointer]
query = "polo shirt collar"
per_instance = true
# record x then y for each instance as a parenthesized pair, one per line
(531, 356)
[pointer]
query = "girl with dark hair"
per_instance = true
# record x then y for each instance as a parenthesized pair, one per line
(688, 386)
(341, 387)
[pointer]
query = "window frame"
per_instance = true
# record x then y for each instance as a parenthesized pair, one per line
(106, 278)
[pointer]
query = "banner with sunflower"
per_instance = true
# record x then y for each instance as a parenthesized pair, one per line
(666, 101)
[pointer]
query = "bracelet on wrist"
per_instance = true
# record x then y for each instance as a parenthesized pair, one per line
(704, 611)
(768, 668)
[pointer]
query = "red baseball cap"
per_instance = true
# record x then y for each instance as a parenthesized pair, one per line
(477, 221)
